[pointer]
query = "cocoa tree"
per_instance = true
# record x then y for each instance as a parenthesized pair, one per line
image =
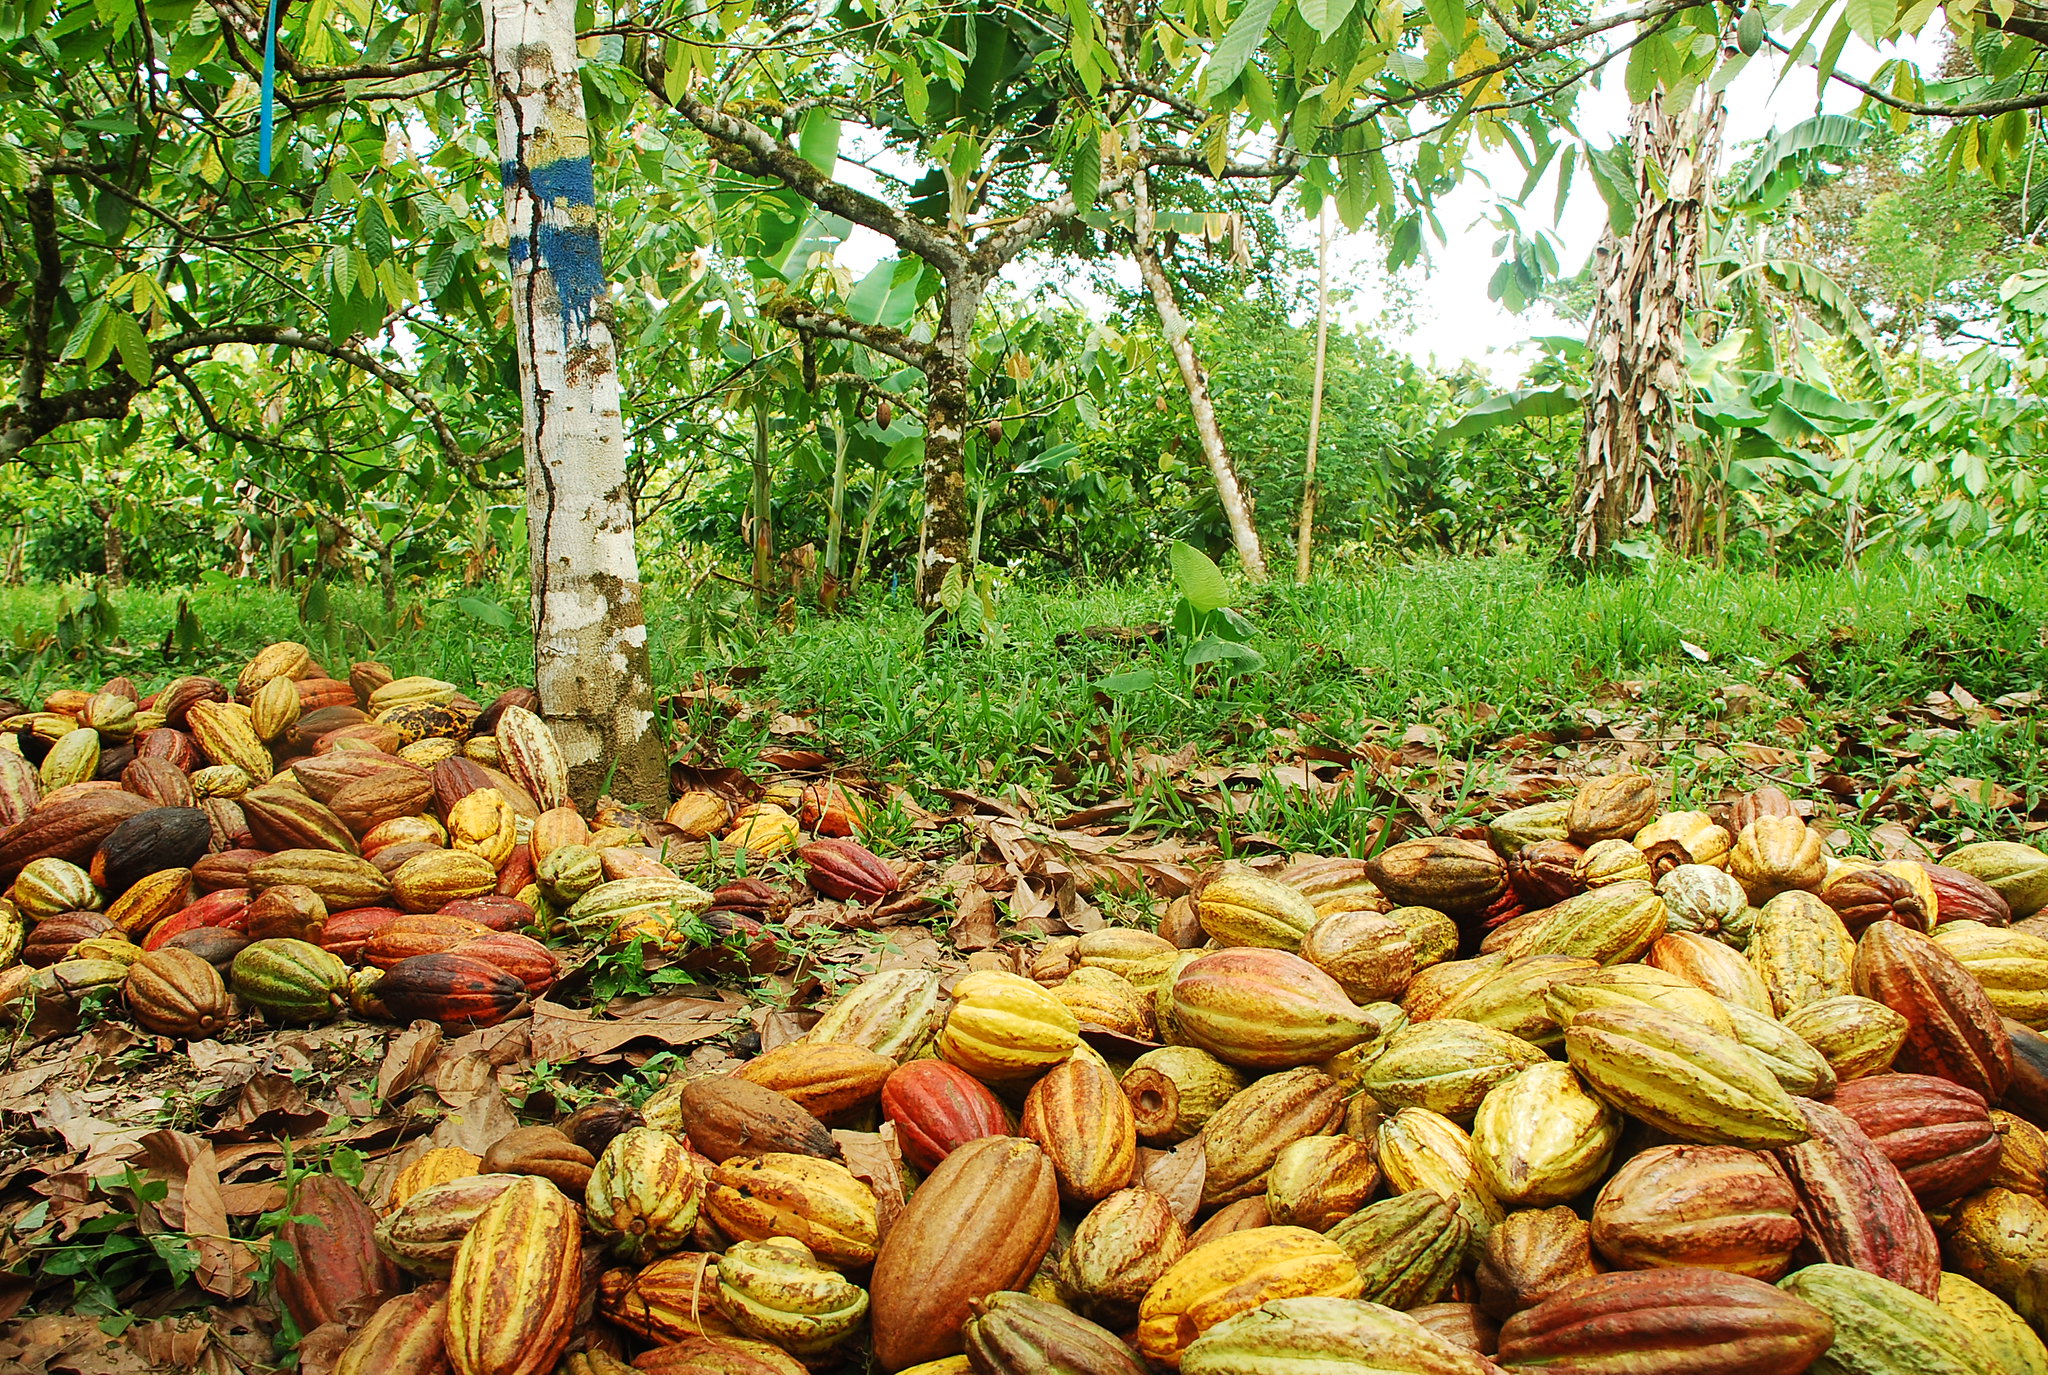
(589, 628)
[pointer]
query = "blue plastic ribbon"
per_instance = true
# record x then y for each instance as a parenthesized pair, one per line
(268, 116)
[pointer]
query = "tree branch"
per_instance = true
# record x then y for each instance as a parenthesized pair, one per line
(1981, 109)
(805, 318)
(753, 151)
(42, 222)
(249, 26)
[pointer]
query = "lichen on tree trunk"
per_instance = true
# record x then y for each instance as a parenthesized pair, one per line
(589, 629)
(942, 545)
(1644, 285)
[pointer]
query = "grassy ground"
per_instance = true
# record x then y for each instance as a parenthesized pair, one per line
(1476, 653)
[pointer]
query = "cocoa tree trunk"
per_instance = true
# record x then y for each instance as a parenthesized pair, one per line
(589, 628)
(1236, 505)
(942, 544)
(1644, 286)
(113, 547)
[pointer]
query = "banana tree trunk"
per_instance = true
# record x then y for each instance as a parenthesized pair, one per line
(1644, 286)
(1236, 506)
(589, 628)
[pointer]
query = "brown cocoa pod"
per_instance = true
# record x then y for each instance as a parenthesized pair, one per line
(726, 1117)
(1951, 1028)
(1939, 1134)
(542, 1151)
(1530, 1256)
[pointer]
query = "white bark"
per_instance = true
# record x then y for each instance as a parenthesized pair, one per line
(590, 635)
(1305, 534)
(1236, 509)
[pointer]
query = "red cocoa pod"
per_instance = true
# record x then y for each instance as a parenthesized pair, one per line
(347, 933)
(1672, 1322)
(227, 908)
(1854, 1204)
(515, 873)
(333, 1234)
(495, 913)
(1952, 1031)
(1940, 1135)
(937, 1108)
(848, 870)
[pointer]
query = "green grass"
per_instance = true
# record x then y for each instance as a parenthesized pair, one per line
(1480, 651)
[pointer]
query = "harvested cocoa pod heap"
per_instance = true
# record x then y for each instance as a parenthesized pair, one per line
(1602, 1086)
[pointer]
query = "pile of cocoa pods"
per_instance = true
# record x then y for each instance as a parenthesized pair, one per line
(1600, 1088)
(297, 846)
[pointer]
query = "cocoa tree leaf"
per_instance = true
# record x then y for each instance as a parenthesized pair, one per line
(406, 1059)
(974, 920)
(1177, 1176)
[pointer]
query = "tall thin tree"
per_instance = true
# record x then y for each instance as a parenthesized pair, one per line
(1305, 533)
(589, 628)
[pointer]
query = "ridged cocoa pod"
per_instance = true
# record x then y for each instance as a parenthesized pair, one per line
(726, 1117)
(645, 1192)
(513, 1295)
(665, 1299)
(1124, 1243)
(1245, 1137)
(1615, 806)
(1996, 1238)
(980, 1223)
(1319, 1181)
(1016, 1334)
(2022, 1156)
(1855, 1206)
(1530, 1256)
(1699, 1207)
(423, 1234)
(848, 870)
(289, 910)
(698, 1355)
(333, 1234)
(1671, 1322)
(1461, 1324)
(828, 1081)
(542, 1151)
(1951, 1028)
(403, 1337)
(1174, 1091)
(1454, 876)
(2027, 1091)
(1408, 1249)
(1545, 873)
(1940, 1135)
(1082, 1121)
(1965, 897)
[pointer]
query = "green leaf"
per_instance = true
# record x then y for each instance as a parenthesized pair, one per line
(1797, 150)
(1448, 18)
(1868, 19)
(373, 231)
(818, 139)
(1240, 41)
(953, 589)
(1201, 581)
(1326, 16)
(1135, 680)
(133, 345)
(1084, 178)
(1512, 407)
(488, 613)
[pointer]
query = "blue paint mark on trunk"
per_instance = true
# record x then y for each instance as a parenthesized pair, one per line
(571, 251)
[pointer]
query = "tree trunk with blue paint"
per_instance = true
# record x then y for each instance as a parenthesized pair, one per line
(590, 634)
